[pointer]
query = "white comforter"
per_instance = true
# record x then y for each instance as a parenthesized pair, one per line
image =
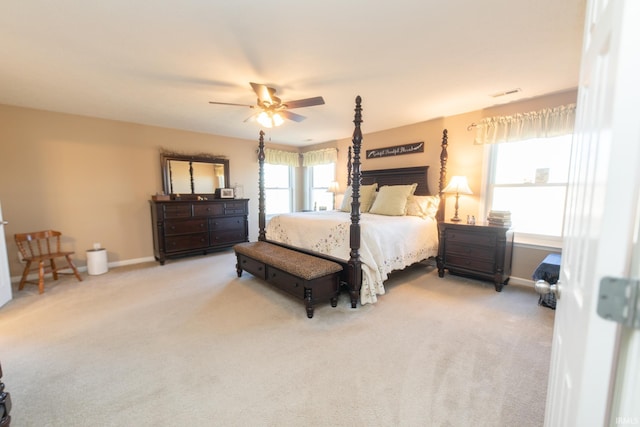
(387, 243)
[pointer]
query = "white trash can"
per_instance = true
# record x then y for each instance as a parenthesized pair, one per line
(97, 261)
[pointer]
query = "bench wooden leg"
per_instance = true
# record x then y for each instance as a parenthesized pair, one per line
(238, 268)
(308, 299)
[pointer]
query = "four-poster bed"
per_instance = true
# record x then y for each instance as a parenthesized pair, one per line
(367, 245)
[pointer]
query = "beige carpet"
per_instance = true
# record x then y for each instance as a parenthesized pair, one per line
(190, 344)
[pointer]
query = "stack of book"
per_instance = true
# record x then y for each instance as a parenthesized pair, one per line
(501, 218)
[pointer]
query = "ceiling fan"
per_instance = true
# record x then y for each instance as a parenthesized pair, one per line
(273, 110)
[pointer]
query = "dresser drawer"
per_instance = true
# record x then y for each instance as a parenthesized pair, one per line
(461, 261)
(254, 267)
(224, 237)
(208, 209)
(239, 208)
(229, 223)
(182, 210)
(285, 281)
(467, 237)
(185, 226)
(186, 242)
(468, 251)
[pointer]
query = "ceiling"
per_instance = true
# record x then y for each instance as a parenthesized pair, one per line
(160, 62)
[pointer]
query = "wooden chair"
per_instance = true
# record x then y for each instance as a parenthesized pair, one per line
(43, 247)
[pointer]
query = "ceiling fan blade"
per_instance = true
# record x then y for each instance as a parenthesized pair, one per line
(308, 102)
(251, 118)
(230, 103)
(264, 93)
(292, 116)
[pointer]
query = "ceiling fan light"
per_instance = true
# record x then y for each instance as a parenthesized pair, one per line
(265, 120)
(277, 119)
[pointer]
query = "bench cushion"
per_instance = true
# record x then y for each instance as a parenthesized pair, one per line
(301, 265)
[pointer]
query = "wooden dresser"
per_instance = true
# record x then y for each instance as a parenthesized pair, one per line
(197, 227)
(479, 251)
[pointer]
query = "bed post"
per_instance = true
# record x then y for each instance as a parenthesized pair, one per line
(354, 264)
(349, 167)
(261, 208)
(443, 176)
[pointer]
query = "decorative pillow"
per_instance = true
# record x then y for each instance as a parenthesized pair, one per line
(367, 193)
(392, 199)
(423, 206)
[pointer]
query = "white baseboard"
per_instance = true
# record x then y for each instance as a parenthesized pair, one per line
(83, 268)
(131, 261)
(521, 281)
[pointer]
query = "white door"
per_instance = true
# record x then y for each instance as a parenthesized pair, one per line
(601, 219)
(5, 279)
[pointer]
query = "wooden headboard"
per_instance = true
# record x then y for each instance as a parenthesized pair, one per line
(399, 176)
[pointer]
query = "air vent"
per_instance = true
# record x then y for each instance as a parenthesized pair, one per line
(508, 92)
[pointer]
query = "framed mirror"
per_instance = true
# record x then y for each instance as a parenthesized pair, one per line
(193, 175)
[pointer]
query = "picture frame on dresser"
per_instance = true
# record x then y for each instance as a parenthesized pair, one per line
(226, 193)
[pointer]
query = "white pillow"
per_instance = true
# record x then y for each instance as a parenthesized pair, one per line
(367, 193)
(392, 199)
(423, 206)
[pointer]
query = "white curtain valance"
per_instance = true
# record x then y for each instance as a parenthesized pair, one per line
(545, 123)
(320, 157)
(278, 157)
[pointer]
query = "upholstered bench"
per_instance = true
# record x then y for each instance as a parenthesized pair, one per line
(301, 275)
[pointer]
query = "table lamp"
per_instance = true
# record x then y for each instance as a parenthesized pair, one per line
(457, 185)
(334, 188)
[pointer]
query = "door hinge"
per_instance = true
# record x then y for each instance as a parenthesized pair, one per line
(618, 300)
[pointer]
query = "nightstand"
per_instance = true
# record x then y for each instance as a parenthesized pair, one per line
(480, 251)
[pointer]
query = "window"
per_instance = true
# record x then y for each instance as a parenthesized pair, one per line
(529, 179)
(277, 189)
(321, 176)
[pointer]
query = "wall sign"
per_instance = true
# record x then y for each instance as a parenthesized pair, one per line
(416, 147)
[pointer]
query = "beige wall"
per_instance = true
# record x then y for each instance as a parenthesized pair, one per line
(92, 178)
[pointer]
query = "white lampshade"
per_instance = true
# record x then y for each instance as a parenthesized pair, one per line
(458, 185)
(333, 187)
